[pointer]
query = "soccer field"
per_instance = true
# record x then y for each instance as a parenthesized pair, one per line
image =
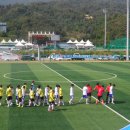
(68, 117)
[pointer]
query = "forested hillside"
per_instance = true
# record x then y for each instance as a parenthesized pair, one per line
(67, 18)
(7, 2)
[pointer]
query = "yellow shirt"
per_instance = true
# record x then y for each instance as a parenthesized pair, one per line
(1, 92)
(19, 93)
(51, 96)
(9, 92)
(60, 92)
(31, 94)
(40, 92)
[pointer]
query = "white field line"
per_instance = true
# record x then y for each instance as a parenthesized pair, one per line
(17, 79)
(92, 96)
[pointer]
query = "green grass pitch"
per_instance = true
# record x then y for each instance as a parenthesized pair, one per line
(68, 117)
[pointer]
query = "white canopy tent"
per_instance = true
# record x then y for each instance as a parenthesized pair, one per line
(16, 41)
(88, 44)
(19, 44)
(70, 41)
(23, 41)
(76, 42)
(3, 41)
(79, 45)
(82, 41)
(28, 44)
(10, 41)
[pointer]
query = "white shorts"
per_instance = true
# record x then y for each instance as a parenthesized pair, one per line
(71, 96)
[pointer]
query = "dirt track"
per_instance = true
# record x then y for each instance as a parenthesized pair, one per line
(47, 61)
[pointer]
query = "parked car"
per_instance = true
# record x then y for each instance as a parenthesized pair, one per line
(115, 57)
(104, 57)
(28, 57)
(10, 57)
(57, 57)
(77, 56)
(67, 57)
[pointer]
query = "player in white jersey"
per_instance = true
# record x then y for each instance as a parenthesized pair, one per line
(16, 94)
(37, 95)
(84, 91)
(12, 88)
(111, 94)
(23, 88)
(56, 93)
(46, 94)
(33, 85)
(71, 101)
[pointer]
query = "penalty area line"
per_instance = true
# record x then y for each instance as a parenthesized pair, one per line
(117, 113)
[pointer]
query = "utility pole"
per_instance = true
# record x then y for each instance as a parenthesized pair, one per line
(105, 27)
(127, 41)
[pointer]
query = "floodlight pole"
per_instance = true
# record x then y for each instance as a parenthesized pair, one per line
(127, 41)
(38, 52)
(105, 27)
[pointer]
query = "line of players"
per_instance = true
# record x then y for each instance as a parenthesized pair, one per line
(54, 97)
(37, 96)
(87, 92)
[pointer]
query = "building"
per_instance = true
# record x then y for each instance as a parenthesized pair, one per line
(3, 27)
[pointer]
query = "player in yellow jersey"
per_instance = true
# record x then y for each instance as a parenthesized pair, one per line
(19, 96)
(32, 97)
(51, 100)
(41, 96)
(9, 94)
(60, 96)
(1, 93)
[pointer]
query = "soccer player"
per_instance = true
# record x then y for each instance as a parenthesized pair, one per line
(32, 97)
(16, 94)
(23, 88)
(111, 96)
(19, 96)
(89, 92)
(12, 89)
(100, 92)
(56, 94)
(97, 86)
(37, 95)
(71, 101)
(1, 93)
(9, 96)
(33, 85)
(60, 96)
(107, 90)
(84, 90)
(51, 100)
(41, 95)
(46, 94)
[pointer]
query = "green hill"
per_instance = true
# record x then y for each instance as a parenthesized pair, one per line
(7, 2)
(66, 18)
